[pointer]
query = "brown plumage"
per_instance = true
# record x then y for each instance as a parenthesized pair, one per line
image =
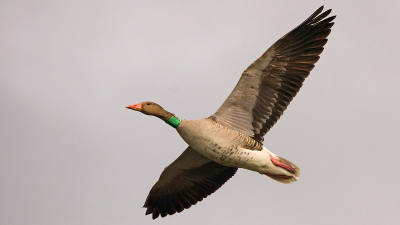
(269, 84)
(190, 184)
(232, 137)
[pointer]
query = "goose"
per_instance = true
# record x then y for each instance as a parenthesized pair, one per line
(233, 136)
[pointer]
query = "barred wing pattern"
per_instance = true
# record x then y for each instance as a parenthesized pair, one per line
(186, 181)
(268, 85)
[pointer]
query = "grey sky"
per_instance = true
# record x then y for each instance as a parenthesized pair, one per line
(70, 153)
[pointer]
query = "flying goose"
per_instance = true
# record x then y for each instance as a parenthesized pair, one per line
(232, 137)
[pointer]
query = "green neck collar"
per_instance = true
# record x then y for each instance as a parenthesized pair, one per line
(174, 121)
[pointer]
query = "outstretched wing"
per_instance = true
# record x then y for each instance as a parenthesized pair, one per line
(267, 86)
(186, 181)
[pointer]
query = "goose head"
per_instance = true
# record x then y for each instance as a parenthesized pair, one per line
(152, 109)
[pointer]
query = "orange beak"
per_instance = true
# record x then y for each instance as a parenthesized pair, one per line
(136, 107)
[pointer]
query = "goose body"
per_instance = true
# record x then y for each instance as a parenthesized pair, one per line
(229, 147)
(232, 137)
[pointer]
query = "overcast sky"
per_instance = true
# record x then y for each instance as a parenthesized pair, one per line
(71, 154)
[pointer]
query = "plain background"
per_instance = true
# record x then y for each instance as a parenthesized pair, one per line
(70, 153)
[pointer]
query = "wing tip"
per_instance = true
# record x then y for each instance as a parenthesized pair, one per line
(159, 204)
